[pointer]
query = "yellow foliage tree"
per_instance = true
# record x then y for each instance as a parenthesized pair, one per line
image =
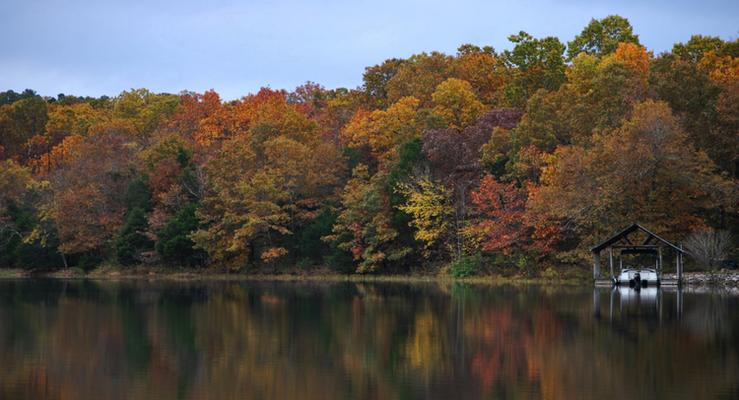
(431, 207)
(146, 111)
(13, 181)
(457, 104)
(722, 69)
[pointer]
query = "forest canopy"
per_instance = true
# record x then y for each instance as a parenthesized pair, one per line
(514, 161)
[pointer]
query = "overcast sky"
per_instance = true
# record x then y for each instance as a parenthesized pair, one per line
(103, 47)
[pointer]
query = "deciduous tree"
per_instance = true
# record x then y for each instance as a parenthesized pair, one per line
(20, 122)
(646, 171)
(365, 222)
(376, 81)
(145, 110)
(699, 45)
(430, 205)
(191, 114)
(502, 223)
(457, 104)
(385, 130)
(602, 37)
(480, 67)
(419, 76)
(455, 159)
(533, 64)
(552, 119)
(264, 183)
(88, 207)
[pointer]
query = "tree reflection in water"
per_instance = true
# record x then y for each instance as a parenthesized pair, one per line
(346, 340)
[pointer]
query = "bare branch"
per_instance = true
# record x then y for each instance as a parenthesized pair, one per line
(708, 248)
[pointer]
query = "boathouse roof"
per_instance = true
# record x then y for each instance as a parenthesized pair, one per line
(623, 238)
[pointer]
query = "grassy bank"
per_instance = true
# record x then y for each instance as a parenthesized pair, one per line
(581, 277)
(113, 271)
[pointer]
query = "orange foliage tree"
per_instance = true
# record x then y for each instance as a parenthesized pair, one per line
(87, 208)
(644, 172)
(383, 131)
(480, 67)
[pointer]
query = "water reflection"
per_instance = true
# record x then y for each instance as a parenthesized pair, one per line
(629, 303)
(267, 340)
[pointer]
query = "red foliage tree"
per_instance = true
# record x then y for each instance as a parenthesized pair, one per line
(504, 224)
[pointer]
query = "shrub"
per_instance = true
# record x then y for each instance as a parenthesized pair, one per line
(466, 266)
(708, 249)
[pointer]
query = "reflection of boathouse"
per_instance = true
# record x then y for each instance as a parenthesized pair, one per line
(624, 305)
(643, 252)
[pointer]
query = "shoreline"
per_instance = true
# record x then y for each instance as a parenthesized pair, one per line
(720, 280)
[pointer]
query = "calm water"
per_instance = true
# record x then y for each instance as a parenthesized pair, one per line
(283, 340)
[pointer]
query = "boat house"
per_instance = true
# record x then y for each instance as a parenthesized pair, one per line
(639, 241)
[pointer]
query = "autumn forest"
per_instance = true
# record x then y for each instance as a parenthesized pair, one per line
(477, 163)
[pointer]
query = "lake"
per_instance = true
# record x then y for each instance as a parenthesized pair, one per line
(138, 339)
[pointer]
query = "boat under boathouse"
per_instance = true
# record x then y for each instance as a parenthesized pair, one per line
(639, 246)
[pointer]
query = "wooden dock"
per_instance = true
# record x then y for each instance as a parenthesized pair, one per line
(662, 282)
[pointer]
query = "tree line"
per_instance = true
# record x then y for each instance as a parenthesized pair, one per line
(514, 161)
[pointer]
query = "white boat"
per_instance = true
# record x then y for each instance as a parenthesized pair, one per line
(633, 277)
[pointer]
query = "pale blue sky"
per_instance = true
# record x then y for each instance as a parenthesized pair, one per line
(102, 47)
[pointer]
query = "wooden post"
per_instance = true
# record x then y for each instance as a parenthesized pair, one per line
(596, 265)
(679, 267)
(610, 257)
(659, 266)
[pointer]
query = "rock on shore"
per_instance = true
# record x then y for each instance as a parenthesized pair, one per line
(724, 278)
